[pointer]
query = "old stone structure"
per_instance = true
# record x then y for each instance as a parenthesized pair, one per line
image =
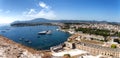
(70, 45)
(91, 46)
(96, 49)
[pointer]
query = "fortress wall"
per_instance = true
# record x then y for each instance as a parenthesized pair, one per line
(96, 51)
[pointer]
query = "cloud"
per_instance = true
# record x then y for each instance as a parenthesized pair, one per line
(4, 19)
(32, 11)
(43, 5)
(45, 12)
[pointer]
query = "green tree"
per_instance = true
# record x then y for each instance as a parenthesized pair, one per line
(113, 46)
(66, 56)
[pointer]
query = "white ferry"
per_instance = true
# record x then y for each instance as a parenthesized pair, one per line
(44, 32)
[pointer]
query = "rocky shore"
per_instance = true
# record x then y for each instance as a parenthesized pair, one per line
(10, 49)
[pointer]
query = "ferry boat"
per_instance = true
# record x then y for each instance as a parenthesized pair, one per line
(44, 32)
(49, 32)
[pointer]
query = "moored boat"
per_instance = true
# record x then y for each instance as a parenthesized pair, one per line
(44, 32)
(57, 29)
(49, 32)
(21, 39)
(3, 31)
(29, 42)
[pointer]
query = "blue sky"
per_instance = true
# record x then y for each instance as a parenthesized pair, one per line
(12, 10)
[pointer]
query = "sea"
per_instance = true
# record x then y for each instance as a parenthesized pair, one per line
(28, 36)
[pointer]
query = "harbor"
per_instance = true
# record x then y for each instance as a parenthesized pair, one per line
(36, 37)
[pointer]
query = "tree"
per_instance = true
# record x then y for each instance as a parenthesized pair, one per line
(66, 56)
(113, 46)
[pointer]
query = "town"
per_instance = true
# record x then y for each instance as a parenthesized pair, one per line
(87, 40)
(59, 29)
(98, 40)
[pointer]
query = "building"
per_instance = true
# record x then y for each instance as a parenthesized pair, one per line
(96, 49)
(70, 45)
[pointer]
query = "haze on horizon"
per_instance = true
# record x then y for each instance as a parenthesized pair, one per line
(100, 10)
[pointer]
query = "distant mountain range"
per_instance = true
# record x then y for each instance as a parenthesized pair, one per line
(42, 20)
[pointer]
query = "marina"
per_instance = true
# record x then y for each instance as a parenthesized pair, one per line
(36, 36)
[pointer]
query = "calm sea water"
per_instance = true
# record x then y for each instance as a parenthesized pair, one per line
(31, 33)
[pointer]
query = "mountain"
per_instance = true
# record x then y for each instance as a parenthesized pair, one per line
(42, 20)
(38, 21)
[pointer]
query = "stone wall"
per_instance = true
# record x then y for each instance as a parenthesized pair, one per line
(99, 50)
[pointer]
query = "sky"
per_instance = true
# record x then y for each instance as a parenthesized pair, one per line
(21, 10)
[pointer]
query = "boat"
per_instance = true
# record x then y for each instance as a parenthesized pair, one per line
(26, 40)
(49, 32)
(7, 29)
(57, 29)
(44, 32)
(3, 31)
(29, 42)
(21, 39)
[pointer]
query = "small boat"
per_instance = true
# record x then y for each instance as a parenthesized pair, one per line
(26, 40)
(3, 31)
(7, 29)
(21, 39)
(57, 29)
(29, 42)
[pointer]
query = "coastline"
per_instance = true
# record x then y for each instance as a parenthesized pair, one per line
(17, 44)
(11, 49)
